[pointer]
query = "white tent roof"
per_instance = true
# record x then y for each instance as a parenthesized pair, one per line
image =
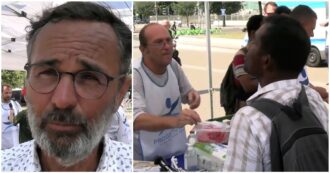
(14, 21)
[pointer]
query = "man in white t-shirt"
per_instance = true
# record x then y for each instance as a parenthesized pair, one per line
(307, 18)
(9, 109)
(160, 87)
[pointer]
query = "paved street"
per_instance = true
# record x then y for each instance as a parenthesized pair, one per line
(193, 54)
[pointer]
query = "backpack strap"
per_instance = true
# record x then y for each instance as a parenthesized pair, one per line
(263, 105)
(271, 109)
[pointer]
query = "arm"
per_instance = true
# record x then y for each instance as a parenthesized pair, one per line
(322, 91)
(248, 82)
(149, 122)
(303, 79)
(194, 99)
(188, 94)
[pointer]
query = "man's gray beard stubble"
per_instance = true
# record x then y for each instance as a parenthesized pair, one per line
(82, 145)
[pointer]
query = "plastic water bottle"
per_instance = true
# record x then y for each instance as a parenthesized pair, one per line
(190, 156)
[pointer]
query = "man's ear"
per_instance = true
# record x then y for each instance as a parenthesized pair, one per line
(251, 35)
(142, 48)
(127, 83)
(267, 62)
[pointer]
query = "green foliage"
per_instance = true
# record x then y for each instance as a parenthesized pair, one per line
(185, 9)
(167, 6)
(13, 78)
(197, 31)
(144, 9)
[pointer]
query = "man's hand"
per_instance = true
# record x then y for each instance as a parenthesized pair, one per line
(155, 123)
(187, 116)
(194, 99)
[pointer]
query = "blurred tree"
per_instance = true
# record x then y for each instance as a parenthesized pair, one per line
(144, 9)
(166, 7)
(13, 78)
(231, 7)
(185, 9)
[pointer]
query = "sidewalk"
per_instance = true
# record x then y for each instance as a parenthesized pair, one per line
(215, 42)
(230, 24)
(200, 41)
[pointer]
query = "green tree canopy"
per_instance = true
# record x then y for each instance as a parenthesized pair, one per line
(13, 78)
(185, 9)
(144, 9)
(166, 6)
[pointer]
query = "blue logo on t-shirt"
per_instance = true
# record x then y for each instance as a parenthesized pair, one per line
(171, 105)
(304, 79)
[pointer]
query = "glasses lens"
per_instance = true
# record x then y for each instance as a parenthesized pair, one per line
(161, 43)
(170, 43)
(91, 84)
(42, 78)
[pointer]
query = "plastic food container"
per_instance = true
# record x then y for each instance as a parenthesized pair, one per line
(212, 132)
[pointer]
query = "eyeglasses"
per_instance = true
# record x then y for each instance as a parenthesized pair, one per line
(161, 43)
(88, 84)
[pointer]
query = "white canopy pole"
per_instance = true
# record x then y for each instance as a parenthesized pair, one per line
(208, 28)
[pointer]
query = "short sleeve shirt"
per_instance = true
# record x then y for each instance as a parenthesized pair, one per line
(238, 65)
(139, 105)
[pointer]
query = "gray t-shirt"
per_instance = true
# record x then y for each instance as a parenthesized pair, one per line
(138, 92)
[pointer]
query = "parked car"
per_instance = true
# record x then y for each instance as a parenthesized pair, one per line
(17, 96)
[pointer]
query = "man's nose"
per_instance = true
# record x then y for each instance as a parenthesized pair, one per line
(64, 95)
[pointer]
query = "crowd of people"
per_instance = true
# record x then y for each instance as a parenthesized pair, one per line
(76, 82)
(275, 64)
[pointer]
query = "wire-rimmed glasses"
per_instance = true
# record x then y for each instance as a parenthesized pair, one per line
(88, 84)
(161, 43)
